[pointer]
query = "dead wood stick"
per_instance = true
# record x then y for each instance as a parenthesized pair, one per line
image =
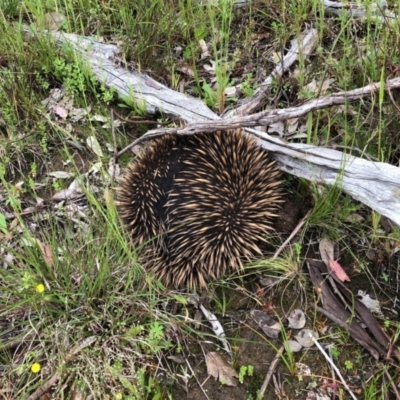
(41, 390)
(294, 232)
(377, 11)
(271, 370)
(374, 184)
(373, 351)
(269, 117)
(304, 44)
(333, 365)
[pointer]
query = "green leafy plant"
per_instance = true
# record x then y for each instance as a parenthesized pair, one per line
(349, 364)
(245, 370)
(3, 223)
(247, 86)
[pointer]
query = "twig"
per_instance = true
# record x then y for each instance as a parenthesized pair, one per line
(268, 117)
(332, 370)
(216, 327)
(295, 230)
(332, 365)
(393, 385)
(41, 390)
(377, 10)
(303, 44)
(271, 370)
(392, 98)
(195, 377)
(114, 159)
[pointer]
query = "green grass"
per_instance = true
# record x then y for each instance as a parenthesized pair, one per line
(102, 326)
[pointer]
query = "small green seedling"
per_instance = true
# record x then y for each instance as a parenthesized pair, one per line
(245, 370)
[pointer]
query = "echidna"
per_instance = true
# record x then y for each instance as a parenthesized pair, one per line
(200, 204)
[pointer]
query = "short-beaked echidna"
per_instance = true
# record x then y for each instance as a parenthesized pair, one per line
(200, 204)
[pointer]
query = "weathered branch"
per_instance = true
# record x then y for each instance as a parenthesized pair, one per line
(304, 45)
(375, 184)
(376, 11)
(142, 90)
(269, 117)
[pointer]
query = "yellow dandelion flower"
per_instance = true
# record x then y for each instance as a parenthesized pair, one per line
(35, 368)
(118, 396)
(40, 288)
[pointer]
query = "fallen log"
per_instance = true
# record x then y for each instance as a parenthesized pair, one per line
(374, 184)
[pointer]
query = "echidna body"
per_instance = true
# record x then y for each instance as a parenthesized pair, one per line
(203, 204)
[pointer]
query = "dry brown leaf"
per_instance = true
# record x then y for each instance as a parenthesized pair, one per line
(326, 250)
(77, 395)
(46, 251)
(327, 255)
(186, 69)
(219, 368)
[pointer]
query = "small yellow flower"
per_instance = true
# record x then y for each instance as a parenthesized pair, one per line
(40, 288)
(35, 368)
(118, 396)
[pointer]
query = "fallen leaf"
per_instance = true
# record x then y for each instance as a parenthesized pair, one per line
(61, 112)
(230, 91)
(60, 174)
(372, 304)
(219, 368)
(277, 127)
(210, 68)
(7, 260)
(66, 103)
(327, 256)
(137, 149)
(46, 252)
(276, 57)
(204, 49)
(186, 69)
(292, 125)
(113, 169)
(55, 96)
(297, 319)
(305, 337)
(94, 145)
(326, 250)
(319, 87)
(99, 118)
(67, 194)
(177, 358)
(339, 271)
(269, 326)
(303, 369)
(293, 345)
(77, 114)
